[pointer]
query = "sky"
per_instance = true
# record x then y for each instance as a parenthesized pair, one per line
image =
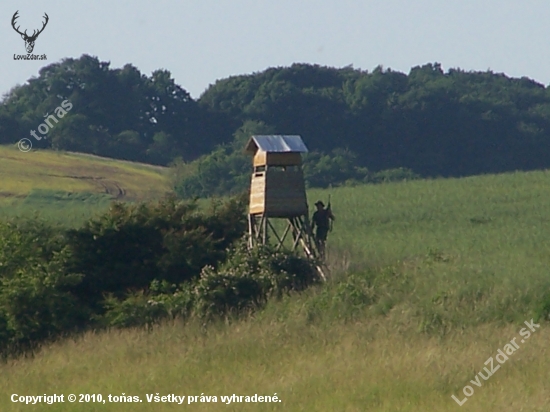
(201, 41)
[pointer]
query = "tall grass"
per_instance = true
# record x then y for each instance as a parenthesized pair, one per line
(350, 366)
(472, 250)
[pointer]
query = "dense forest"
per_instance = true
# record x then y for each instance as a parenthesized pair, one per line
(356, 123)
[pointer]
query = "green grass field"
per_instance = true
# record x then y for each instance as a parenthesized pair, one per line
(69, 187)
(430, 278)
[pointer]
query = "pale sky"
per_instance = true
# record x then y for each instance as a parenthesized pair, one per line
(202, 41)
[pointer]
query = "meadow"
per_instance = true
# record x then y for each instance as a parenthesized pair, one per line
(429, 279)
(68, 188)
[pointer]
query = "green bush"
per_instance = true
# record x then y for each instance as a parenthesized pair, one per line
(249, 278)
(36, 304)
(136, 265)
(162, 300)
(25, 243)
(36, 301)
(132, 245)
(244, 283)
(54, 281)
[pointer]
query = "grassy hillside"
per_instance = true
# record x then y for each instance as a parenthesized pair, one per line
(69, 186)
(311, 366)
(439, 275)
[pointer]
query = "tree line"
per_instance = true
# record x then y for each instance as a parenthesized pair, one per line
(430, 122)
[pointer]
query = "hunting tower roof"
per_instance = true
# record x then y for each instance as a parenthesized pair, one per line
(276, 143)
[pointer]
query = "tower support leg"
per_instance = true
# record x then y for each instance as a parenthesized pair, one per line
(298, 226)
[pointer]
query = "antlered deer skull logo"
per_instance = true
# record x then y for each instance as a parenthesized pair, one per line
(29, 40)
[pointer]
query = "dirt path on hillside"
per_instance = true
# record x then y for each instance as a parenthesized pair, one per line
(110, 187)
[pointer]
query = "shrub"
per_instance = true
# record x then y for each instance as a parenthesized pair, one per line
(162, 300)
(249, 278)
(25, 243)
(245, 282)
(133, 266)
(36, 304)
(132, 245)
(54, 281)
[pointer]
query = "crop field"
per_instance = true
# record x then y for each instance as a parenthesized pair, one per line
(429, 280)
(69, 187)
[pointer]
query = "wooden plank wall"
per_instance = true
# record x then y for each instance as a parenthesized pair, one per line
(278, 193)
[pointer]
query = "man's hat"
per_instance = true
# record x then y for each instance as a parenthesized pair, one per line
(320, 203)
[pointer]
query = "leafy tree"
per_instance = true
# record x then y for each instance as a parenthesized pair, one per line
(116, 112)
(322, 170)
(224, 171)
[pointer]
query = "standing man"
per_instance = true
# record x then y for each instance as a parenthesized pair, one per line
(321, 219)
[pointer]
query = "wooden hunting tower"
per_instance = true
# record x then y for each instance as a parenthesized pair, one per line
(277, 190)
